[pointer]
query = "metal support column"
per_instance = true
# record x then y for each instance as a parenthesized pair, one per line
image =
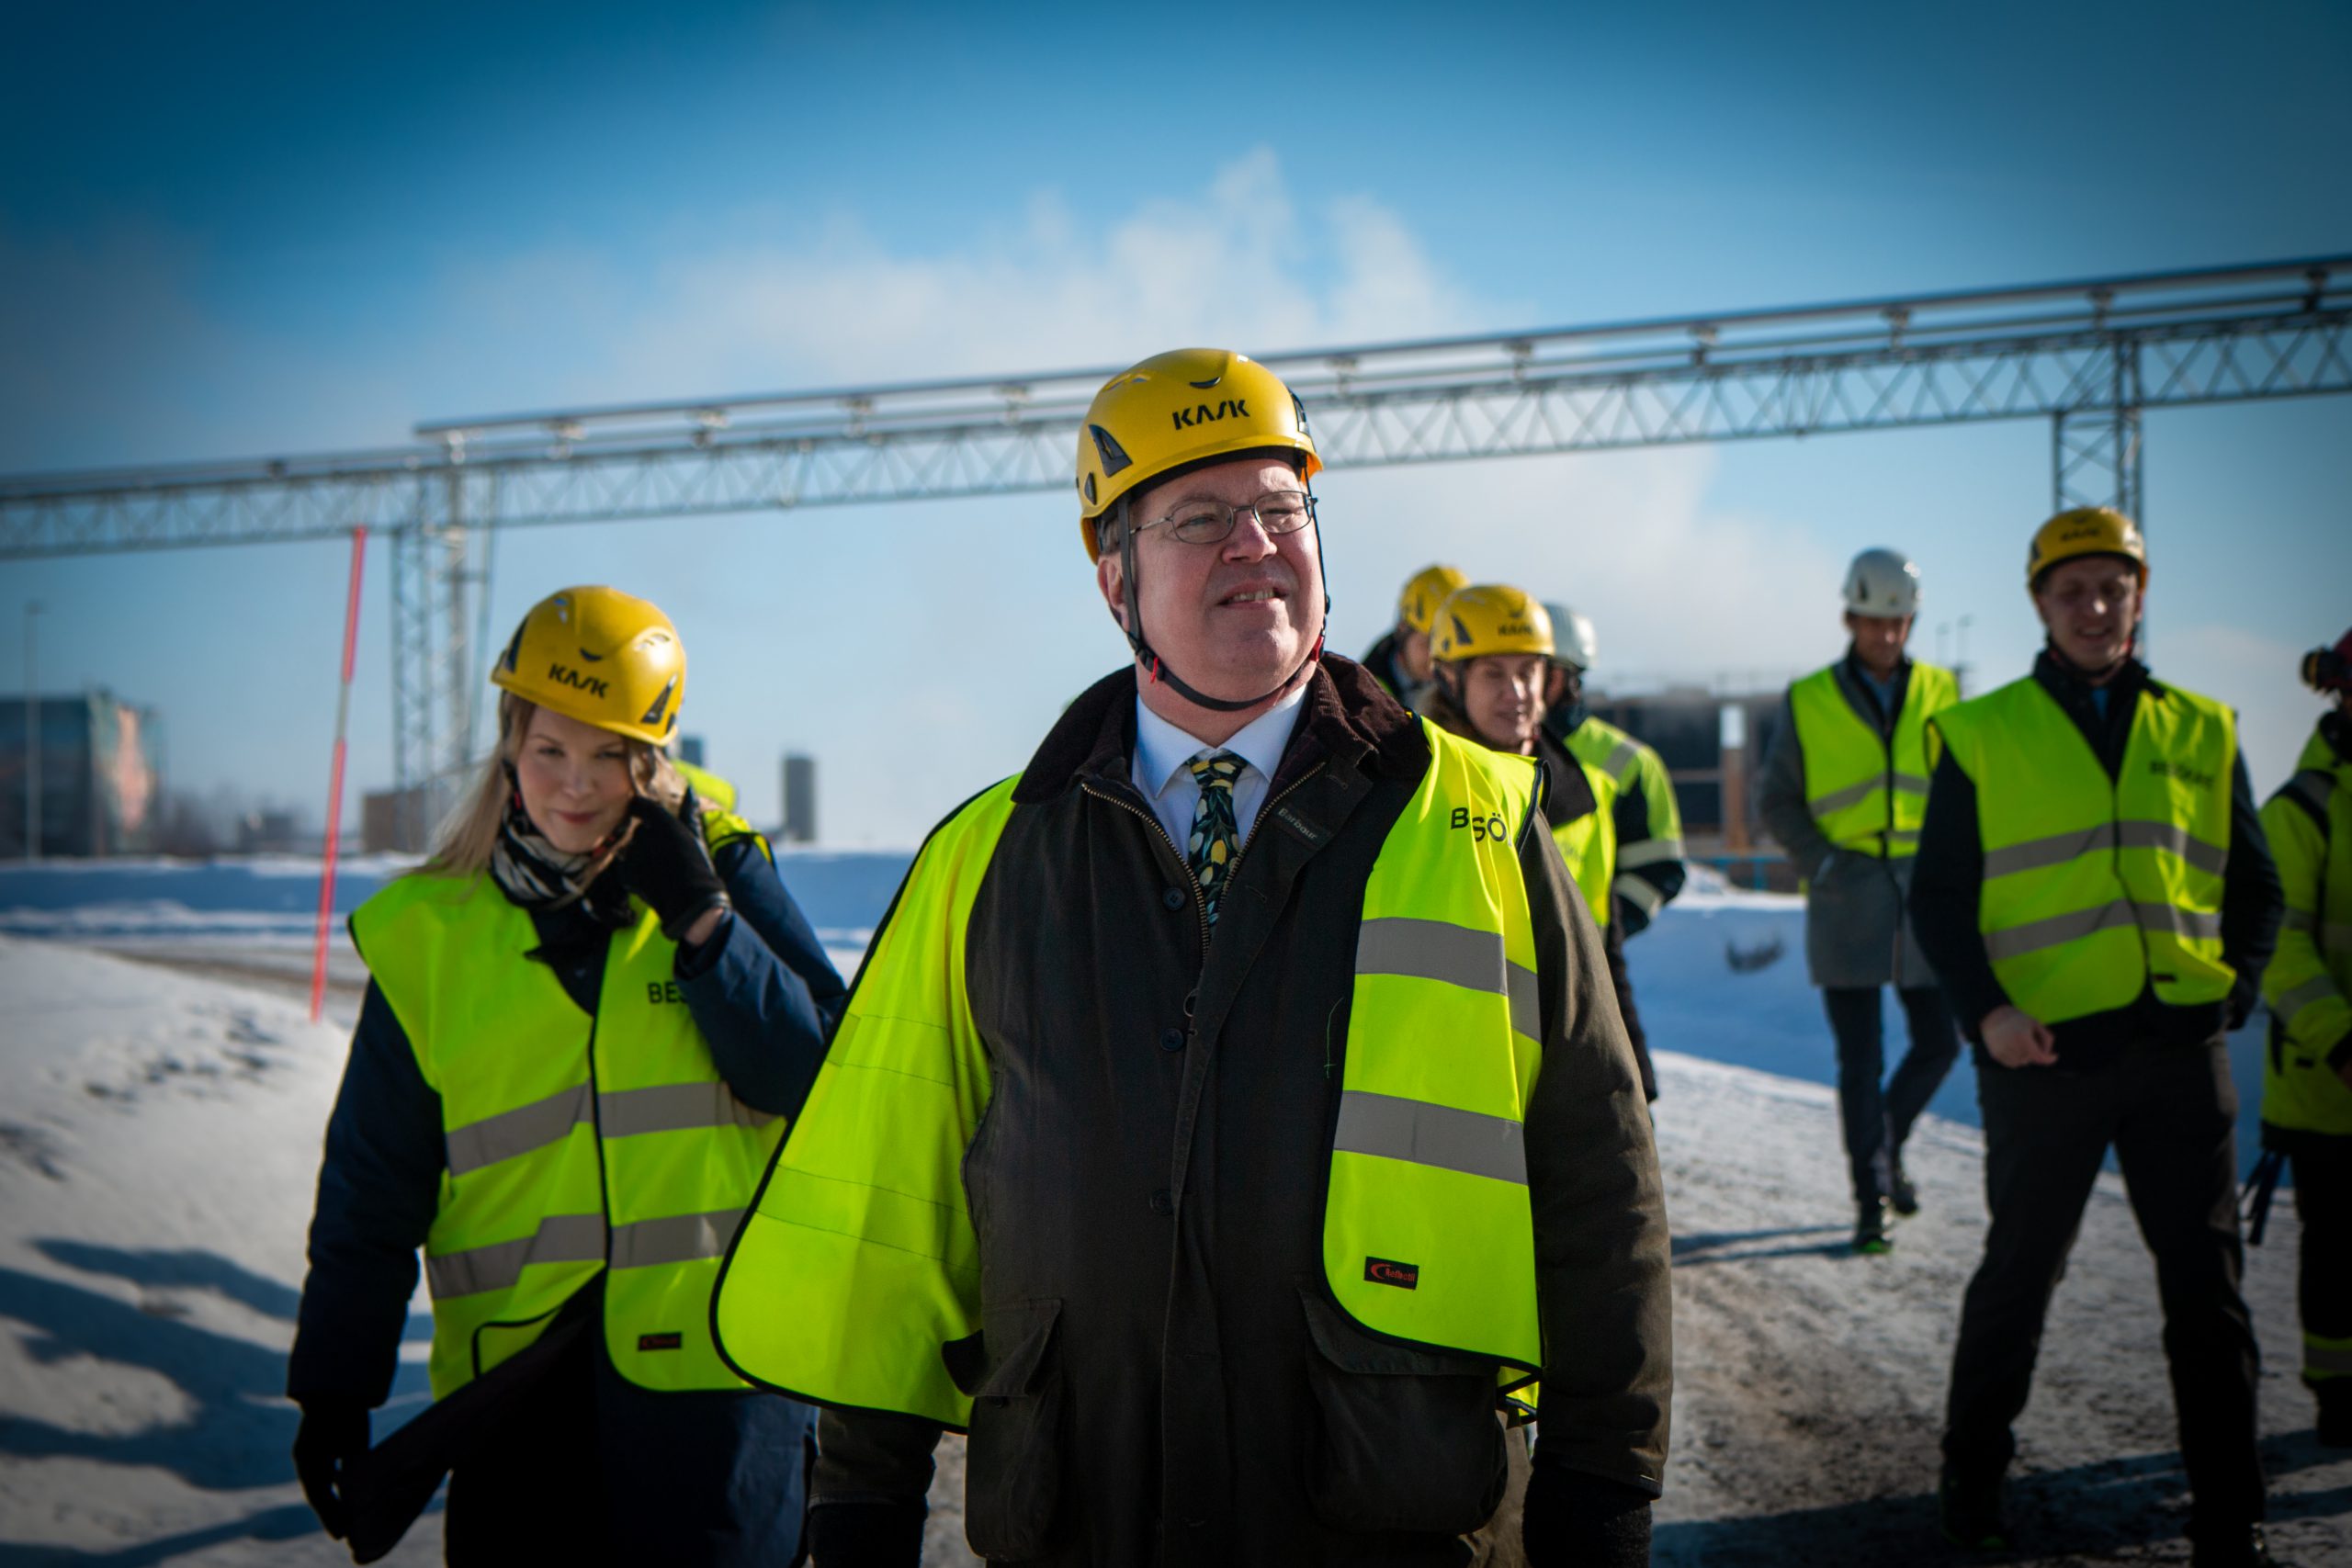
(433, 686)
(2095, 452)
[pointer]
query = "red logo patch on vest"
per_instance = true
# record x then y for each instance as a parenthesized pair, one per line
(661, 1341)
(1386, 1271)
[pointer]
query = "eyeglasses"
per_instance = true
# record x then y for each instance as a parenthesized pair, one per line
(1206, 522)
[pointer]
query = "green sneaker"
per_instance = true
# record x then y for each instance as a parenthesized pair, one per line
(1871, 1238)
(1969, 1513)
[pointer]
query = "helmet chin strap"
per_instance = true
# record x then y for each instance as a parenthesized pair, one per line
(1157, 669)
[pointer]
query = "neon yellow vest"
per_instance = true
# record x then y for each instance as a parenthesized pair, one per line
(2310, 977)
(2096, 888)
(1865, 796)
(1589, 844)
(859, 1261)
(574, 1145)
(1635, 768)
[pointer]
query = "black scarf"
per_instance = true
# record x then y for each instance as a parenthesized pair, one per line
(536, 876)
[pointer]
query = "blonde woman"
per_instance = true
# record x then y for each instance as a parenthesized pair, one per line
(589, 1015)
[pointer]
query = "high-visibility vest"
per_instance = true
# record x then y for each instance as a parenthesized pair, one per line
(1634, 769)
(1866, 795)
(2096, 888)
(575, 1144)
(858, 1261)
(2309, 982)
(1589, 843)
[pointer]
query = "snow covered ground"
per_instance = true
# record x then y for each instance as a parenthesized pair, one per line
(159, 1133)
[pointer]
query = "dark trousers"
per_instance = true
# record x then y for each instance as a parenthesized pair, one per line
(2323, 1271)
(592, 1470)
(1876, 1119)
(2170, 1113)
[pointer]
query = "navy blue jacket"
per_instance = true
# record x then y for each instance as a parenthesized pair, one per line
(709, 1478)
(762, 992)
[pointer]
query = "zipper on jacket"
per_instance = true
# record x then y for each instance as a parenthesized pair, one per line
(1200, 904)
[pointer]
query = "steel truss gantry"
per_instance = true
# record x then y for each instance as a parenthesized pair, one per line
(2089, 356)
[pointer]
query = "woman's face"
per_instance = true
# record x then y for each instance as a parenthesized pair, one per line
(575, 781)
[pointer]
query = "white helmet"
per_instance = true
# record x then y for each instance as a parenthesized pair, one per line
(1572, 635)
(1882, 582)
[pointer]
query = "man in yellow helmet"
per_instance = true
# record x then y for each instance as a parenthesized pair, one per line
(1231, 1113)
(1843, 789)
(2307, 1085)
(2096, 893)
(1494, 648)
(1400, 660)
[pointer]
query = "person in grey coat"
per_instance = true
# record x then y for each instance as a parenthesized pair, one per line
(1843, 790)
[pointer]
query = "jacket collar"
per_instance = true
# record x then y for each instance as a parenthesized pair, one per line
(1347, 719)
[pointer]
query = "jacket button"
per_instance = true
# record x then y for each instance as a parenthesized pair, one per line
(1172, 1040)
(1162, 1202)
(1174, 898)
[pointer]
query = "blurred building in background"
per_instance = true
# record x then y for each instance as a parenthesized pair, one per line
(100, 784)
(1712, 743)
(799, 800)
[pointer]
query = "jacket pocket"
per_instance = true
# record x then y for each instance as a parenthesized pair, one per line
(1399, 1438)
(1012, 1463)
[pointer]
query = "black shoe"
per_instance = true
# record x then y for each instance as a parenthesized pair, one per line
(1969, 1513)
(2335, 1424)
(1870, 1228)
(1900, 1196)
(2241, 1547)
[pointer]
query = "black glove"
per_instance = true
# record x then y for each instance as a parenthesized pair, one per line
(865, 1535)
(666, 865)
(334, 1433)
(1572, 1517)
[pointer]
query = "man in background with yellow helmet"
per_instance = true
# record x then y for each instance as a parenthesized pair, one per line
(1843, 789)
(1400, 660)
(1494, 648)
(1231, 1111)
(2096, 893)
(2307, 1081)
(1649, 820)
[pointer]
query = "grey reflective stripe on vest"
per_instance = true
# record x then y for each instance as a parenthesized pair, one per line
(1855, 794)
(1852, 795)
(1439, 950)
(674, 1238)
(2299, 921)
(1421, 1133)
(2035, 855)
(561, 1239)
(2336, 937)
(2057, 929)
(516, 1131)
(673, 1108)
(2314, 786)
(2334, 1359)
(1649, 852)
(1642, 896)
(2317, 989)
(1619, 764)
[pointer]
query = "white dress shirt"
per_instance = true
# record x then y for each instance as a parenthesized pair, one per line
(1162, 778)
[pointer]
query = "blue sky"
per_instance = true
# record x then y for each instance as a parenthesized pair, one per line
(305, 228)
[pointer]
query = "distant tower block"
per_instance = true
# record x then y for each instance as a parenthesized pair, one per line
(690, 751)
(799, 800)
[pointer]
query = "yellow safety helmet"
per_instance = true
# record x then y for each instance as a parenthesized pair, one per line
(1491, 617)
(1424, 592)
(1175, 410)
(600, 656)
(2084, 531)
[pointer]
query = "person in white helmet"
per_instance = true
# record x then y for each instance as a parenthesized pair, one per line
(1649, 821)
(1844, 790)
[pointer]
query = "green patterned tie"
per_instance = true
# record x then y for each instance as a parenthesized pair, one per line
(1216, 841)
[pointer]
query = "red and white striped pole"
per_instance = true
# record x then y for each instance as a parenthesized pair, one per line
(335, 784)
